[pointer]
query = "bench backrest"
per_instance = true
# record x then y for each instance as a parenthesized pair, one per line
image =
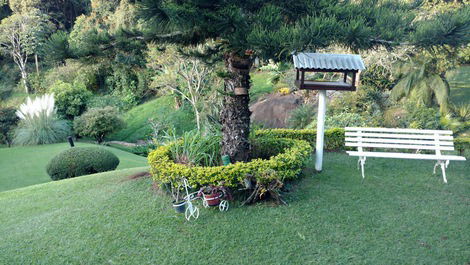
(388, 138)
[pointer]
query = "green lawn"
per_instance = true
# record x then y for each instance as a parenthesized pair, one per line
(400, 214)
(26, 165)
(459, 80)
(161, 109)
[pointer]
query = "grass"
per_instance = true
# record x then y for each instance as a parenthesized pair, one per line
(261, 85)
(460, 85)
(400, 214)
(26, 165)
(161, 109)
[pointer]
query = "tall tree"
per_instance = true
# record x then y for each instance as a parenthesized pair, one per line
(20, 37)
(269, 30)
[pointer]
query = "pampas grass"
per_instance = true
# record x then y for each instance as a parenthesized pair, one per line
(39, 123)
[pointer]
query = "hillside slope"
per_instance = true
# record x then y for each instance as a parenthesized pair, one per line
(26, 165)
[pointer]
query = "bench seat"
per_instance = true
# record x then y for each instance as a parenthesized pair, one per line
(406, 156)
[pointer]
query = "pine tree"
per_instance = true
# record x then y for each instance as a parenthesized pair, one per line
(270, 29)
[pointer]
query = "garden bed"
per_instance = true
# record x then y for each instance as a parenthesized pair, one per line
(285, 158)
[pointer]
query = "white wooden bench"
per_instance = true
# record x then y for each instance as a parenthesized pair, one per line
(390, 140)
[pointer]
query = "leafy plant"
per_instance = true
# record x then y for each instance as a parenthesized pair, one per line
(39, 123)
(8, 121)
(71, 99)
(98, 123)
(302, 116)
(194, 148)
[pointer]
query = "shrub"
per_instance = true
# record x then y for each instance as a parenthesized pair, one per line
(301, 116)
(334, 138)
(8, 121)
(98, 123)
(341, 120)
(287, 165)
(70, 99)
(79, 161)
(462, 145)
(39, 123)
(196, 149)
(421, 117)
(107, 101)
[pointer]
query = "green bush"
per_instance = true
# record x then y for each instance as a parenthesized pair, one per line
(462, 144)
(421, 117)
(71, 100)
(287, 164)
(79, 161)
(8, 121)
(341, 120)
(98, 123)
(334, 138)
(301, 116)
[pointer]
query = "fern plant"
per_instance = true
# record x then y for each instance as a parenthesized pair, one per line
(39, 123)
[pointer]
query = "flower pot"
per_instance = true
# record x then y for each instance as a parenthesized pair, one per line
(179, 206)
(212, 199)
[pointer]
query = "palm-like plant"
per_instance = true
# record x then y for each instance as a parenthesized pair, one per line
(39, 123)
(421, 80)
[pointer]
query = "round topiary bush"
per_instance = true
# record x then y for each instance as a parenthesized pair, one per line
(79, 161)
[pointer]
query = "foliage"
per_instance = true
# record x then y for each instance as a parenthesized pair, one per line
(39, 123)
(462, 145)
(8, 121)
(107, 101)
(98, 123)
(288, 164)
(79, 161)
(71, 99)
(334, 138)
(419, 117)
(195, 149)
(420, 80)
(302, 116)
(161, 110)
(341, 120)
(186, 78)
(21, 34)
(56, 48)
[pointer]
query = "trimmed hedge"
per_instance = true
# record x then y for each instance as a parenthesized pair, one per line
(287, 164)
(334, 138)
(79, 161)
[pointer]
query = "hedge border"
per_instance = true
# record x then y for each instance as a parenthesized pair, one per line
(286, 165)
(334, 138)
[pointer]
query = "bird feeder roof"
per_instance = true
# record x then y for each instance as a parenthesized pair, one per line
(324, 61)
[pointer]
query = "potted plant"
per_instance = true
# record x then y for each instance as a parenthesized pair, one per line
(212, 194)
(179, 204)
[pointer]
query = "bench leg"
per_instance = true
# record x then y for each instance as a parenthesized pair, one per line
(361, 161)
(443, 168)
(444, 165)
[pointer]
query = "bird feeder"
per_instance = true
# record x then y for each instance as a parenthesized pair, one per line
(348, 64)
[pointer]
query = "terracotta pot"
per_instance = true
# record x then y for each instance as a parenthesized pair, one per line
(212, 199)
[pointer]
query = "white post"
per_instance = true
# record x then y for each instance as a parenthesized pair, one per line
(320, 129)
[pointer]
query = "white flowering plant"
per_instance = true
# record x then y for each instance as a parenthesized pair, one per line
(39, 123)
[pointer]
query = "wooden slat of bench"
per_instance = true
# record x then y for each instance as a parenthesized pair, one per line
(402, 146)
(398, 130)
(398, 141)
(401, 136)
(406, 155)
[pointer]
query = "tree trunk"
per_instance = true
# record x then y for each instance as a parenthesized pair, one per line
(37, 63)
(235, 115)
(24, 77)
